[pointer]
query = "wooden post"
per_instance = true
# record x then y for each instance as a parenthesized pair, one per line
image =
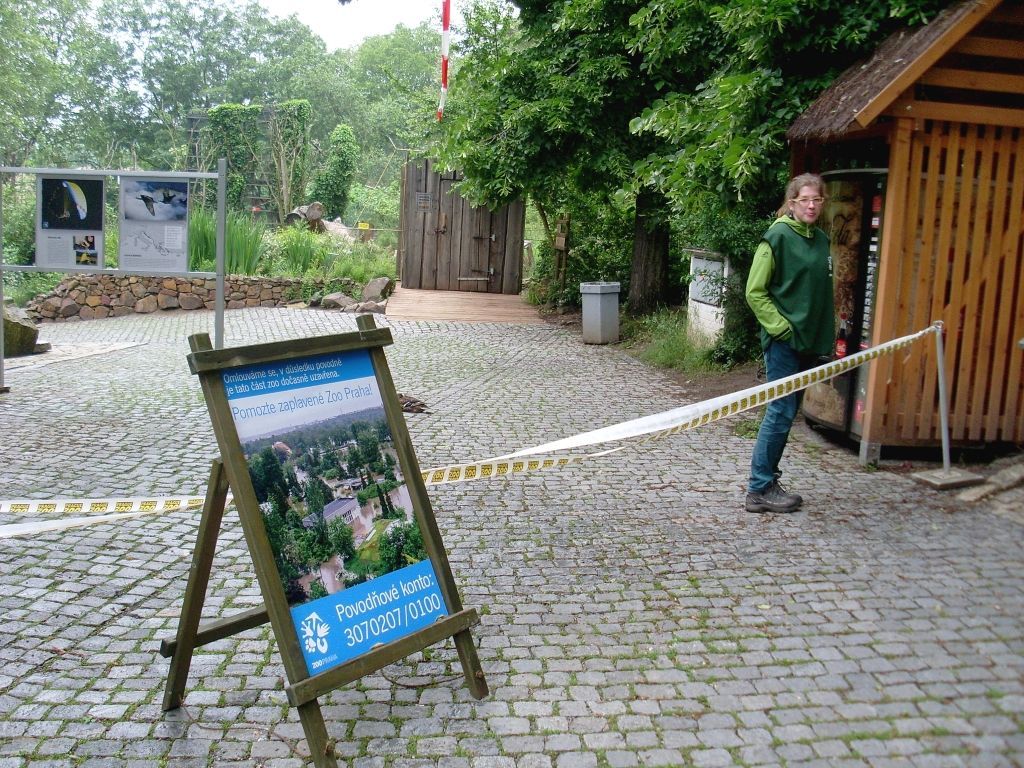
(887, 299)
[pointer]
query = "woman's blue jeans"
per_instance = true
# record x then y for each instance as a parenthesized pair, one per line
(780, 361)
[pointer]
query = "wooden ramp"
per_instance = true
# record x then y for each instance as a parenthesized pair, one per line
(464, 306)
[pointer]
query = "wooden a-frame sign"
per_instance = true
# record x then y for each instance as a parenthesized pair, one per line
(259, 398)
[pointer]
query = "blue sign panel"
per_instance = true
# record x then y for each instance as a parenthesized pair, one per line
(347, 624)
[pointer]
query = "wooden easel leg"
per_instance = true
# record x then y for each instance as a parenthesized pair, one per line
(321, 747)
(195, 591)
(475, 680)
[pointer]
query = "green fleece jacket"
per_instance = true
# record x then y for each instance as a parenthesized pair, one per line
(789, 287)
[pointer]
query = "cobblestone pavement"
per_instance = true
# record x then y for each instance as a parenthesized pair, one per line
(632, 613)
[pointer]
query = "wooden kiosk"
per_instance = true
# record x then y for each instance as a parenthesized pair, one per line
(942, 109)
(309, 392)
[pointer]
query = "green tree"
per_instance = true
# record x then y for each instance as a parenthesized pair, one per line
(317, 496)
(332, 182)
(543, 110)
(391, 84)
(288, 154)
(725, 134)
(340, 535)
(267, 475)
(185, 56)
(369, 446)
(43, 65)
(402, 545)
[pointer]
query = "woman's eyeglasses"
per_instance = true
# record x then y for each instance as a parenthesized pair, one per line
(805, 201)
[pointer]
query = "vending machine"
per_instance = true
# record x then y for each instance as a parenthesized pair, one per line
(852, 217)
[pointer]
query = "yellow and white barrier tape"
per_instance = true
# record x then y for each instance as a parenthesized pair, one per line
(526, 460)
(662, 424)
(99, 511)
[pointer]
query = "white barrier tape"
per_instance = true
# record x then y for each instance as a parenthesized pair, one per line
(117, 509)
(666, 423)
(649, 427)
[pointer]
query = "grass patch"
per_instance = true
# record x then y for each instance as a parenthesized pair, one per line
(747, 427)
(21, 287)
(663, 340)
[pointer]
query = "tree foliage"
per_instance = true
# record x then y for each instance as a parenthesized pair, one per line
(288, 154)
(725, 133)
(234, 133)
(667, 105)
(332, 182)
(402, 545)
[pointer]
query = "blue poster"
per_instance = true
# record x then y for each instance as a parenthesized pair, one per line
(342, 626)
(335, 506)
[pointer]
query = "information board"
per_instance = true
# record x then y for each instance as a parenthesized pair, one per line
(316, 419)
(153, 225)
(336, 516)
(69, 222)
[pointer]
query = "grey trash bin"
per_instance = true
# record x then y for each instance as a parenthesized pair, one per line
(600, 312)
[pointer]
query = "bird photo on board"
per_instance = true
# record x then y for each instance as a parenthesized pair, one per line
(71, 203)
(149, 200)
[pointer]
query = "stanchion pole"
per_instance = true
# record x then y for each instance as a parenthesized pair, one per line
(947, 477)
(940, 364)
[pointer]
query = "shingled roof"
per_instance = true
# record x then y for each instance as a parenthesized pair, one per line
(864, 90)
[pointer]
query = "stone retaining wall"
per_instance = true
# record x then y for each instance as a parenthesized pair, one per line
(89, 297)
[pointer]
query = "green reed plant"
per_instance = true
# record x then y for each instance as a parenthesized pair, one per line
(300, 250)
(202, 240)
(245, 244)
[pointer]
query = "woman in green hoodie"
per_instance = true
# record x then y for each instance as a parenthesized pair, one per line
(789, 290)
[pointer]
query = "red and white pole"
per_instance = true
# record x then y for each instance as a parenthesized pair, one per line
(446, 15)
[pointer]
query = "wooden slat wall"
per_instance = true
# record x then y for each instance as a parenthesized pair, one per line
(956, 256)
(449, 246)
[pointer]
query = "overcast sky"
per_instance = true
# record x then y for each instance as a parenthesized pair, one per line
(345, 26)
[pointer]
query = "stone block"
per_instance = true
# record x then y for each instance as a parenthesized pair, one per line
(146, 305)
(20, 333)
(337, 301)
(378, 289)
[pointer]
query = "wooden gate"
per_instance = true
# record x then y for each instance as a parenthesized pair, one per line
(449, 245)
(959, 204)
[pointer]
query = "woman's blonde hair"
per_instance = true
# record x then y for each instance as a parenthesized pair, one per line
(796, 184)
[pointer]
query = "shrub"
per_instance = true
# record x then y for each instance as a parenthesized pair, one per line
(600, 248)
(379, 206)
(361, 263)
(19, 224)
(296, 250)
(734, 231)
(663, 340)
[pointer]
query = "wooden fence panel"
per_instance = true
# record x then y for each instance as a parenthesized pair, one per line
(931, 236)
(429, 267)
(443, 230)
(960, 251)
(512, 278)
(457, 244)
